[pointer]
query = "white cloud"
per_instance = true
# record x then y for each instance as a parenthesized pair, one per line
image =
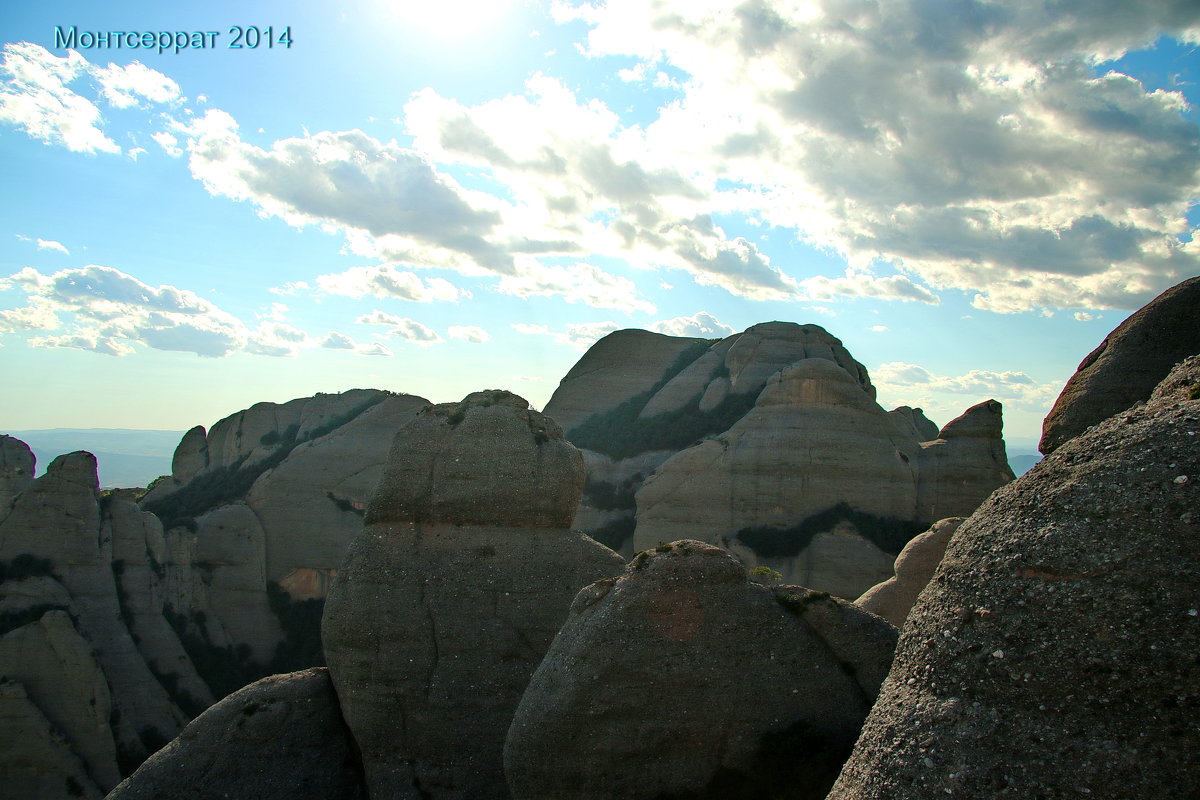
(859, 283)
(387, 280)
(34, 96)
(468, 333)
(580, 336)
(578, 283)
(1083, 316)
(105, 310)
(168, 143)
(339, 341)
(392, 199)
(124, 85)
(701, 324)
(50, 244)
(584, 334)
(973, 145)
(401, 327)
(916, 383)
(879, 328)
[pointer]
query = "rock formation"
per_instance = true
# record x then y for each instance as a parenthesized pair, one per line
(915, 565)
(961, 467)
(450, 595)
(818, 482)
(1054, 652)
(87, 654)
(258, 514)
(1128, 364)
(682, 678)
(647, 445)
(281, 738)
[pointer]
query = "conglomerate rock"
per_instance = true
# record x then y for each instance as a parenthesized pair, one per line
(1054, 652)
(683, 679)
(452, 592)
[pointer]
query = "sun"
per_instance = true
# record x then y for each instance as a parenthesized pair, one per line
(448, 19)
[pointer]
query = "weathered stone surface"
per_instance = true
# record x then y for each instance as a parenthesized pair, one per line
(436, 620)
(1128, 364)
(489, 460)
(915, 565)
(281, 738)
(614, 369)
(139, 554)
(191, 456)
(61, 676)
(310, 506)
(964, 465)
(36, 762)
(913, 422)
(683, 679)
(815, 439)
(16, 471)
(1054, 652)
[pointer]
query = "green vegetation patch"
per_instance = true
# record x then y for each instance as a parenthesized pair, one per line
(26, 565)
(888, 534)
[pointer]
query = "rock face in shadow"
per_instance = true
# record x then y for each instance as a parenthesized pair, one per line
(281, 738)
(258, 514)
(1054, 652)
(683, 679)
(83, 639)
(1128, 364)
(452, 592)
(915, 565)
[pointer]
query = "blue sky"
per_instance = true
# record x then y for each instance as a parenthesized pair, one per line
(442, 197)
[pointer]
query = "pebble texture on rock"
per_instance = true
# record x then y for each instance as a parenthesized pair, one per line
(281, 738)
(1054, 652)
(451, 594)
(683, 679)
(1128, 364)
(915, 565)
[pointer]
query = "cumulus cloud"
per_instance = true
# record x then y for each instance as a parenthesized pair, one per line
(387, 280)
(401, 327)
(701, 324)
(107, 311)
(123, 86)
(578, 283)
(584, 334)
(50, 244)
(912, 381)
(340, 341)
(580, 179)
(976, 146)
(34, 96)
(390, 200)
(580, 335)
(468, 333)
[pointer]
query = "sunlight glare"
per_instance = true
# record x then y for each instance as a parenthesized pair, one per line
(448, 19)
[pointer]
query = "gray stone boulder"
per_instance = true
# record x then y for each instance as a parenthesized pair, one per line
(280, 738)
(452, 592)
(1128, 364)
(1054, 652)
(684, 679)
(915, 565)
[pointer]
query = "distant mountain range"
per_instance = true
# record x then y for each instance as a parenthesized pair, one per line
(127, 457)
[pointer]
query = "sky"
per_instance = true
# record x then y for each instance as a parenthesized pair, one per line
(436, 198)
